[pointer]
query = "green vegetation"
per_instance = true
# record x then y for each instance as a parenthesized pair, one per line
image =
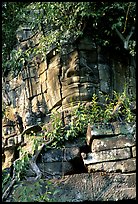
(60, 23)
(33, 192)
(80, 117)
(116, 109)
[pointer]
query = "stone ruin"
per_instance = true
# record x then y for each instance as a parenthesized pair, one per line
(66, 78)
(104, 172)
(106, 168)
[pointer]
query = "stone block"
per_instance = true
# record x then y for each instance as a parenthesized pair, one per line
(105, 80)
(60, 155)
(107, 143)
(134, 151)
(123, 128)
(114, 128)
(11, 141)
(43, 86)
(39, 89)
(56, 168)
(42, 68)
(86, 44)
(70, 89)
(95, 187)
(53, 86)
(68, 81)
(124, 166)
(15, 83)
(32, 71)
(128, 128)
(108, 155)
(20, 138)
(54, 62)
(9, 153)
(16, 140)
(43, 77)
(100, 129)
(52, 155)
(71, 153)
(31, 87)
(34, 103)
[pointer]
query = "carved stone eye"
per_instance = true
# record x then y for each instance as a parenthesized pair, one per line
(70, 73)
(73, 71)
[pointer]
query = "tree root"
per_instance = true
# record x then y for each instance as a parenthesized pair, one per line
(34, 168)
(7, 191)
(33, 164)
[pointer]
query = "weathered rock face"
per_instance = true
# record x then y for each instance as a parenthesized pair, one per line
(55, 84)
(97, 187)
(111, 164)
(106, 173)
(62, 79)
(111, 148)
(63, 161)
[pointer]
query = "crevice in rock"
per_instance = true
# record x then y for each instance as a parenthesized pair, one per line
(60, 83)
(78, 166)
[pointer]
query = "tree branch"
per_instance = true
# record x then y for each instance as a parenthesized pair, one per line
(125, 41)
(34, 167)
(120, 35)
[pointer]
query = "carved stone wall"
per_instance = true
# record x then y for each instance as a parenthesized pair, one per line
(82, 69)
(57, 83)
(105, 172)
(111, 165)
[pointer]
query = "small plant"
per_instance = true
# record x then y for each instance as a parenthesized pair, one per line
(57, 130)
(115, 108)
(39, 191)
(96, 111)
(6, 178)
(21, 165)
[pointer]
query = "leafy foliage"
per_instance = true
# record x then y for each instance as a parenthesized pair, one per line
(5, 179)
(34, 193)
(80, 117)
(115, 109)
(61, 22)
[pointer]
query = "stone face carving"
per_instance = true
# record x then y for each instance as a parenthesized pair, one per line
(76, 75)
(83, 68)
(80, 74)
(58, 82)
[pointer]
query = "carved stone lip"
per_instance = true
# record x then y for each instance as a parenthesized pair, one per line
(78, 79)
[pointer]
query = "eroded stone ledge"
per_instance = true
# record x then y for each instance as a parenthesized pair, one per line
(108, 155)
(128, 165)
(96, 187)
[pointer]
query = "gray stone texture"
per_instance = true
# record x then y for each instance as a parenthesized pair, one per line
(57, 82)
(56, 168)
(114, 142)
(108, 155)
(126, 165)
(114, 128)
(96, 187)
(80, 71)
(60, 155)
(134, 151)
